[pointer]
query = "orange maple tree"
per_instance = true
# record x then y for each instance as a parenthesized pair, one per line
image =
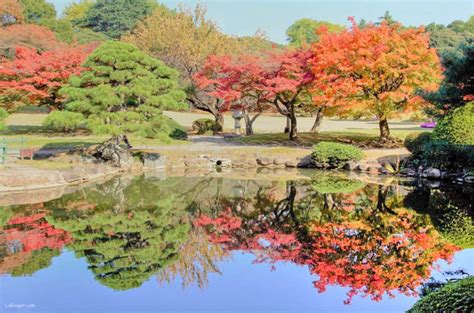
(38, 76)
(28, 35)
(372, 255)
(379, 67)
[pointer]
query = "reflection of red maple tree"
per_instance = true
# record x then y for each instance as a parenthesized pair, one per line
(34, 233)
(369, 261)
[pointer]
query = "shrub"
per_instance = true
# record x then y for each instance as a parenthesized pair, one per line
(177, 131)
(335, 155)
(457, 127)
(327, 184)
(453, 297)
(444, 155)
(204, 125)
(3, 116)
(63, 121)
(415, 143)
(451, 217)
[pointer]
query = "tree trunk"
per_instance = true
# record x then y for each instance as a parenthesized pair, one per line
(287, 127)
(219, 117)
(249, 123)
(384, 129)
(317, 122)
(293, 128)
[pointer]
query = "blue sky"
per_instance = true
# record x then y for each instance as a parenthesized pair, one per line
(244, 17)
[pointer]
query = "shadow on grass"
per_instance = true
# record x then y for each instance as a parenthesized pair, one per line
(23, 129)
(306, 139)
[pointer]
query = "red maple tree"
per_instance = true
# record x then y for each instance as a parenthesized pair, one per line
(281, 79)
(37, 76)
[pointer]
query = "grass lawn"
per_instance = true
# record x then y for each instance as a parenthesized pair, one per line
(354, 137)
(29, 127)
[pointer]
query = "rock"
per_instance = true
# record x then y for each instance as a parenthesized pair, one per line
(20, 179)
(469, 179)
(408, 172)
(264, 161)
(432, 173)
(279, 161)
(363, 167)
(291, 163)
(350, 166)
(252, 162)
(153, 160)
(306, 162)
(239, 163)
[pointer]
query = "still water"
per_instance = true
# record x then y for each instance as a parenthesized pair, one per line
(328, 243)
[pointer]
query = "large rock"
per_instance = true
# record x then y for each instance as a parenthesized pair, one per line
(432, 173)
(351, 166)
(263, 161)
(306, 162)
(18, 179)
(279, 161)
(153, 160)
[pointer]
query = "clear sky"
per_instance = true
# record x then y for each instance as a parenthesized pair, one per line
(244, 17)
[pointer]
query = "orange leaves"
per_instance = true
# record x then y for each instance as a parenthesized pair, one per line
(379, 63)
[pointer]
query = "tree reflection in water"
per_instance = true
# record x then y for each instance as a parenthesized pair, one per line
(346, 233)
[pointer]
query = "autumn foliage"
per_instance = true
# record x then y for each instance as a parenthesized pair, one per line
(281, 79)
(37, 76)
(379, 67)
(395, 256)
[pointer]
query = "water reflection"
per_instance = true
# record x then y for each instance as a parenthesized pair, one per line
(372, 239)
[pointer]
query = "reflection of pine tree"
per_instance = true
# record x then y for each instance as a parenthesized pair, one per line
(138, 231)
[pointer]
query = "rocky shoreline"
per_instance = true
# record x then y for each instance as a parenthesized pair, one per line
(84, 170)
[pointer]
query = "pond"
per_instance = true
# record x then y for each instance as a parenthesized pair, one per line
(328, 243)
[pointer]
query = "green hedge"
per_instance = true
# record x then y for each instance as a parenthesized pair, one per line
(453, 297)
(457, 127)
(415, 143)
(335, 155)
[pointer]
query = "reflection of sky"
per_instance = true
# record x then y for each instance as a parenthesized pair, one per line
(68, 286)
(244, 17)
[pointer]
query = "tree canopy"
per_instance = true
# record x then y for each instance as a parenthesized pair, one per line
(38, 11)
(116, 18)
(124, 91)
(303, 31)
(379, 67)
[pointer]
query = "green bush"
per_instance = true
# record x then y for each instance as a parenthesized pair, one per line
(415, 143)
(335, 155)
(328, 184)
(204, 126)
(63, 121)
(177, 131)
(453, 297)
(457, 127)
(3, 116)
(450, 216)
(444, 155)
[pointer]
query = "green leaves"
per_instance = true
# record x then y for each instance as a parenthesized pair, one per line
(124, 90)
(115, 18)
